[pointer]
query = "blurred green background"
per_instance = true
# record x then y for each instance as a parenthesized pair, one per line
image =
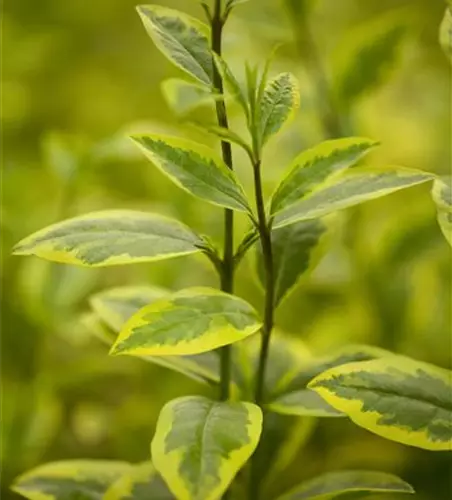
(77, 76)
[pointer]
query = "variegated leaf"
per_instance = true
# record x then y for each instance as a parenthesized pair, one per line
(335, 484)
(191, 321)
(442, 195)
(398, 398)
(312, 168)
(279, 101)
(352, 188)
(81, 479)
(184, 40)
(200, 445)
(296, 399)
(142, 482)
(115, 306)
(194, 168)
(111, 237)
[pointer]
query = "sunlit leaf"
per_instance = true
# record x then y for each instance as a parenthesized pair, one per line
(191, 321)
(200, 445)
(225, 134)
(115, 306)
(184, 40)
(194, 168)
(445, 33)
(109, 238)
(296, 249)
(183, 97)
(398, 398)
(368, 56)
(142, 482)
(315, 166)
(442, 195)
(296, 399)
(279, 101)
(81, 479)
(334, 484)
(352, 188)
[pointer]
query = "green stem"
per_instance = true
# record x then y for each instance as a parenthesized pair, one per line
(227, 275)
(267, 252)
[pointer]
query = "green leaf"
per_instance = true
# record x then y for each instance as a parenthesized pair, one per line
(231, 84)
(445, 33)
(369, 55)
(315, 166)
(142, 482)
(110, 238)
(191, 321)
(200, 445)
(333, 484)
(194, 168)
(184, 40)
(296, 249)
(183, 97)
(398, 398)
(279, 101)
(354, 187)
(442, 195)
(81, 479)
(115, 306)
(295, 399)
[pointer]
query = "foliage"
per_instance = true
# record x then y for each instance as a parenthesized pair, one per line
(202, 447)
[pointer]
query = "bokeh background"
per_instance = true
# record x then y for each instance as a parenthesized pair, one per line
(77, 77)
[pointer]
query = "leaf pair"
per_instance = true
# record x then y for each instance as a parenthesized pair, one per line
(318, 182)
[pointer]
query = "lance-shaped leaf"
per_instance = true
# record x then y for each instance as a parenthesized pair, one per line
(200, 445)
(116, 306)
(191, 321)
(312, 168)
(398, 398)
(442, 195)
(279, 101)
(226, 135)
(359, 483)
(296, 399)
(142, 482)
(111, 237)
(81, 479)
(183, 97)
(184, 40)
(194, 168)
(352, 188)
(296, 249)
(445, 33)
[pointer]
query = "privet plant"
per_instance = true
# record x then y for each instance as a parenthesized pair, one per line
(212, 336)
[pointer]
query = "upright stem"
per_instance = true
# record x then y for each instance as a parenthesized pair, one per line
(227, 275)
(266, 243)
(267, 253)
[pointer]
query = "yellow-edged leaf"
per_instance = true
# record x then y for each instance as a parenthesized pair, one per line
(398, 398)
(110, 238)
(200, 445)
(184, 40)
(194, 168)
(191, 321)
(66, 480)
(142, 482)
(442, 195)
